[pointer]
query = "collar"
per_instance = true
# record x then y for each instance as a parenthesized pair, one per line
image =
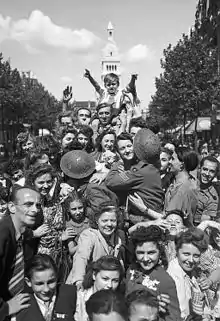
(139, 165)
(176, 268)
(18, 232)
(42, 303)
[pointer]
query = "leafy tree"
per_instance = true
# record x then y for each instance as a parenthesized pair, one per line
(24, 100)
(188, 84)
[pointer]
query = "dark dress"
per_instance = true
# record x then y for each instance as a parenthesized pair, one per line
(158, 281)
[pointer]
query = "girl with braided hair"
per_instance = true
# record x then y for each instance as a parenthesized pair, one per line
(148, 268)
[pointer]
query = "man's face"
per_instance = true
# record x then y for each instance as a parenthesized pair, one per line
(208, 172)
(26, 206)
(67, 121)
(104, 115)
(134, 130)
(84, 117)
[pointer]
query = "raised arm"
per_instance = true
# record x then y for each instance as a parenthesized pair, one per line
(93, 82)
(67, 96)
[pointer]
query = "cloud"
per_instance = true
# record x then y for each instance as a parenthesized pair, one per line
(66, 80)
(138, 53)
(39, 32)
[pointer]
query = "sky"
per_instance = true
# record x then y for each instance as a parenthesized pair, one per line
(57, 39)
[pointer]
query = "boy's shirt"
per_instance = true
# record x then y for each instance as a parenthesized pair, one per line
(116, 99)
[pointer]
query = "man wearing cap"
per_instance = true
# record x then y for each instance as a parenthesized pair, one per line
(79, 167)
(143, 178)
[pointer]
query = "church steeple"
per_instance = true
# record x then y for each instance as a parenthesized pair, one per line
(110, 61)
(110, 30)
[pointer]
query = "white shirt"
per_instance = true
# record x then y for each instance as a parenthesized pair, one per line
(45, 307)
(183, 286)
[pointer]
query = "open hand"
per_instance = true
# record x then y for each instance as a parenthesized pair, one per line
(69, 233)
(18, 303)
(41, 230)
(137, 201)
(98, 178)
(204, 283)
(164, 301)
(67, 94)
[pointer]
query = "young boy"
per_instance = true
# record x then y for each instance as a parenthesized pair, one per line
(111, 94)
(47, 299)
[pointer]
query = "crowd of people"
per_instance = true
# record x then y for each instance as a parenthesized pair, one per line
(101, 220)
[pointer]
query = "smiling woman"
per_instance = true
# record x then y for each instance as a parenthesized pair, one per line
(148, 271)
(52, 232)
(189, 246)
(103, 239)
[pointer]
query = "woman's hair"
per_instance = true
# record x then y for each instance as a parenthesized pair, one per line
(104, 207)
(68, 113)
(85, 130)
(124, 136)
(184, 217)
(23, 137)
(188, 157)
(63, 131)
(73, 196)
(100, 138)
(4, 195)
(213, 232)
(153, 234)
(137, 122)
(106, 302)
(76, 145)
(39, 263)
(105, 263)
(167, 151)
(141, 296)
(14, 165)
(35, 171)
(32, 157)
(193, 236)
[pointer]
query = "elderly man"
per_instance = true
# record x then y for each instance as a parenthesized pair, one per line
(24, 207)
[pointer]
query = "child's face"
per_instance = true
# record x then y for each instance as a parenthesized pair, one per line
(76, 210)
(43, 284)
(111, 87)
(16, 175)
(140, 311)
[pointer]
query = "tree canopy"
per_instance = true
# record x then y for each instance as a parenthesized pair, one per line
(188, 84)
(25, 100)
